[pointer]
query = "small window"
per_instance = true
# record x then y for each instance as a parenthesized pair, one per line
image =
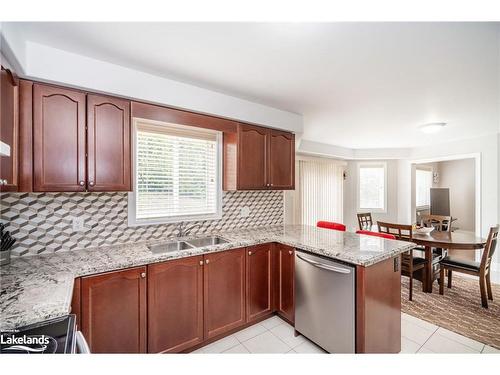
(177, 174)
(372, 187)
(423, 184)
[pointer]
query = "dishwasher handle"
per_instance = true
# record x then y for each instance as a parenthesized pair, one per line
(325, 266)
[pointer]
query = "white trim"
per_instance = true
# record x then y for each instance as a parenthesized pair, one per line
(133, 221)
(477, 166)
(371, 163)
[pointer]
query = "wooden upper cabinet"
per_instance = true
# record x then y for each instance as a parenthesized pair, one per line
(114, 311)
(258, 158)
(252, 157)
(108, 144)
(285, 275)
(224, 292)
(259, 281)
(58, 139)
(175, 305)
(281, 160)
(9, 127)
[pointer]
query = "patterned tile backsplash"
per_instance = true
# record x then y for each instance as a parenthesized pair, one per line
(43, 222)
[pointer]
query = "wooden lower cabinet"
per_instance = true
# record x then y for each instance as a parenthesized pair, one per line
(114, 311)
(224, 292)
(378, 307)
(285, 282)
(175, 305)
(259, 281)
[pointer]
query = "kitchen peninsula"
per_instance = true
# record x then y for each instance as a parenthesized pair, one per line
(198, 295)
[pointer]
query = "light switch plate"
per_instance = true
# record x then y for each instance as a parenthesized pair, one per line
(245, 211)
(78, 224)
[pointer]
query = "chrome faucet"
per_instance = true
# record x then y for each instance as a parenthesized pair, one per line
(183, 231)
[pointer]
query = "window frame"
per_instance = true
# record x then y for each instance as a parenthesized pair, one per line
(427, 169)
(132, 218)
(371, 164)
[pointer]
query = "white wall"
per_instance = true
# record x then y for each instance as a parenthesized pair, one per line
(351, 195)
(39, 62)
(458, 176)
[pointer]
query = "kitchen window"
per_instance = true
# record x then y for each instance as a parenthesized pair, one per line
(423, 184)
(177, 174)
(372, 187)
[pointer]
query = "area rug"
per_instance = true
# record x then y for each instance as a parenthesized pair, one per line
(458, 310)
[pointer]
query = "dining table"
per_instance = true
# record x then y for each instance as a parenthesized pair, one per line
(456, 240)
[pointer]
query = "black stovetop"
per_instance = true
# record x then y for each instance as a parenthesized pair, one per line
(48, 337)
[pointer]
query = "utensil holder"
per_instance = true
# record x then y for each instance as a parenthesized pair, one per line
(4, 257)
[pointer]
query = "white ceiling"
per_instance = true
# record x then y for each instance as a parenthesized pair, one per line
(358, 85)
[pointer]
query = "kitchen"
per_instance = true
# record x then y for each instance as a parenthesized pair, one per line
(148, 213)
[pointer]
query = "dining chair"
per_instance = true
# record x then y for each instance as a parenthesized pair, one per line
(331, 225)
(481, 269)
(377, 234)
(409, 263)
(365, 220)
(440, 223)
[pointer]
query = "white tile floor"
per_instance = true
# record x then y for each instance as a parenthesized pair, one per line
(274, 335)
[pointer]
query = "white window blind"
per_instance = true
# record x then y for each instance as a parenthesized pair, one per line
(320, 191)
(423, 184)
(372, 193)
(177, 173)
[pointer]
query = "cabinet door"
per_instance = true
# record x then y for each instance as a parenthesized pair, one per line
(252, 157)
(224, 291)
(281, 160)
(286, 282)
(58, 139)
(114, 311)
(108, 143)
(175, 305)
(9, 124)
(259, 277)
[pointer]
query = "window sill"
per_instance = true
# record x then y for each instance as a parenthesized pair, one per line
(132, 222)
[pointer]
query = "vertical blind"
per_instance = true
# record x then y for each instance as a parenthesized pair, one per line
(320, 194)
(176, 172)
(423, 184)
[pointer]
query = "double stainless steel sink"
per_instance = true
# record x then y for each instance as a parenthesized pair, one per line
(179, 245)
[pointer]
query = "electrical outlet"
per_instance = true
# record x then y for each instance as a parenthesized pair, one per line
(78, 224)
(245, 212)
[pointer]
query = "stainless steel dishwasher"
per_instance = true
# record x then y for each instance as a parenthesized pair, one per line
(324, 302)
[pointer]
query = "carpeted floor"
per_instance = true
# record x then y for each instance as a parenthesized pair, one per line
(459, 310)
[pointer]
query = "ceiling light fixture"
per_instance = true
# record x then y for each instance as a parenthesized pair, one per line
(432, 127)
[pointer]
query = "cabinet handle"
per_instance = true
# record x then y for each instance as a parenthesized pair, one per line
(201, 263)
(249, 253)
(206, 261)
(81, 183)
(143, 275)
(290, 252)
(91, 183)
(271, 184)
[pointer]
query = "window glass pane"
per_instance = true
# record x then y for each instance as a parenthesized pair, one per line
(176, 174)
(423, 184)
(372, 187)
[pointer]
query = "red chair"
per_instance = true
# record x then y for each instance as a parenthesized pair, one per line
(331, 225)
(377, 234)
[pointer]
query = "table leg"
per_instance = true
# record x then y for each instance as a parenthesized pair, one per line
(428, 277)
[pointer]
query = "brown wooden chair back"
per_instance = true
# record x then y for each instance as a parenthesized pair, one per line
(401, 231)
(440, 223)
(489, 250)
(365, 220)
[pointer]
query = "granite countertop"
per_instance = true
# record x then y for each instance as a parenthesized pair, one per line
(36, 288)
